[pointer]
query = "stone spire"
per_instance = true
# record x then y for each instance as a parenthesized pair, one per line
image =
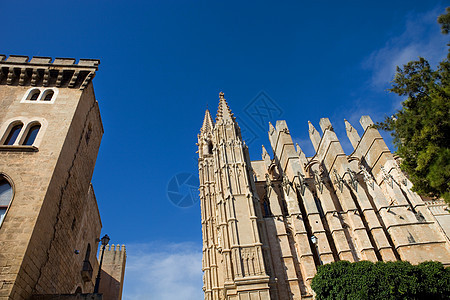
(325, 124)
(352, 134)
(271, 128)
(208, 123)
(314, 135)
(224, 111)
(301, 154)
(266, 157)
(365, 122)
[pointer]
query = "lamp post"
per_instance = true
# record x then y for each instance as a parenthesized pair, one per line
(314, 240)
(105, 241)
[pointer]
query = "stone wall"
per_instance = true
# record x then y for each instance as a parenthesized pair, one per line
(44, 226)
(333, 206)
(69, 297)
(113, 272)
(267, 225)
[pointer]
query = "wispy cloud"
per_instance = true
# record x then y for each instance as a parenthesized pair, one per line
(163, 272)
(421, 37)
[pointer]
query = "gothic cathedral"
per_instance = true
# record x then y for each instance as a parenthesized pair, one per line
(268, 224)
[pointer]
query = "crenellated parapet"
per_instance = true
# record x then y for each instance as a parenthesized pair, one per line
(42, 71)
(113, 271)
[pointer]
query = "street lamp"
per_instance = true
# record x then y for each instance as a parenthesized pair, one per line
(105, 241)
(314, 240)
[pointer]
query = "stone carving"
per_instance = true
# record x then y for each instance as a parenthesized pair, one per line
(268, 251)
(368, 179)
(301, 185)
(387, 177)
(286, 184)
(339, 181)
(318, 181)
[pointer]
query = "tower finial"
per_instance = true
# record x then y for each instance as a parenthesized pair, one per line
(266, 157)
(314, 135)
(271, 128)
(352, 134)
(224, 111)
(208, 123)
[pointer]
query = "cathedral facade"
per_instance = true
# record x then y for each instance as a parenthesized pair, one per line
(50, 133)
(268, 224)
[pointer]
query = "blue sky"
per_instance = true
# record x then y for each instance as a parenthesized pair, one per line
(164, 62)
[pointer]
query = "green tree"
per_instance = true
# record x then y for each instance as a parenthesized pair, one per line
(381, 280)
(444, 20)
(421, 129)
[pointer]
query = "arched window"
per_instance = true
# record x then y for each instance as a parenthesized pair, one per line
(13, 134)
(6, 194)
(31, 135)
(33, 95)
(266, 206)
(48, 95)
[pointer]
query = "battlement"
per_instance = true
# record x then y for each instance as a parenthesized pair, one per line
(42, 71)
(117, 248)
(113, 271)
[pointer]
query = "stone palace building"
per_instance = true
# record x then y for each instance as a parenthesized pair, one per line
(50, 133)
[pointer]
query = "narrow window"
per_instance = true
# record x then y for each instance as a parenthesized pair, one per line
(266, 205)
(87, 256)
(31, 136)
(210, 147)
(13, 134)
(48, 96)
(6, 193)
(34, 95)
(88, 134)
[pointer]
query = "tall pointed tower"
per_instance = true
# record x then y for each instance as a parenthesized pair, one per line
(233, 262)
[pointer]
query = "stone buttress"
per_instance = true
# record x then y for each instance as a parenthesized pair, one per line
(268, 224)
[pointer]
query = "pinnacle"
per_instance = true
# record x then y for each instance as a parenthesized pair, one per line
(312, 129)
(264, 151)
(348, 126)
(224, 111)
(208, 123)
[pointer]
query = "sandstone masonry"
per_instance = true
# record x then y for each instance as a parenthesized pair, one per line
(268, 224)
(49, 233)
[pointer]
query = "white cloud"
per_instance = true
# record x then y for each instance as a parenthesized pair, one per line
(421, 37)
(163, 272)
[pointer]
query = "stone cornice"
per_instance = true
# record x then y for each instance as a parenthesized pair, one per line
(42, 71)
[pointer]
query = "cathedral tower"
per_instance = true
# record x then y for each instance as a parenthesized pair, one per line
(233, 261)
(268, 224)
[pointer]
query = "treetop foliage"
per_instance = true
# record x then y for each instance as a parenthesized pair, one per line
(444, 21)
(382, 280)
